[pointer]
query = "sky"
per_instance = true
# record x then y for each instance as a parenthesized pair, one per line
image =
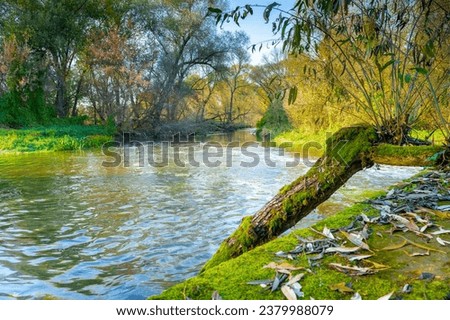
(255, 26)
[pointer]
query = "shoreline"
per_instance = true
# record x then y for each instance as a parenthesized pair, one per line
(83, 137)
(396, 268)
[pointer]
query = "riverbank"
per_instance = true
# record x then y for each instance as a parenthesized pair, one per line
(405, 253)
(77, 137)
(54, 138)
(309, 143)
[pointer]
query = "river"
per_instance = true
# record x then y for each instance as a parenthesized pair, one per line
(72, 228)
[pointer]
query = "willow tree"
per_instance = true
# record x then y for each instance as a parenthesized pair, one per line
(389, 56)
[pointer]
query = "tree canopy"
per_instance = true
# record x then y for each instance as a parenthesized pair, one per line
(389, 57)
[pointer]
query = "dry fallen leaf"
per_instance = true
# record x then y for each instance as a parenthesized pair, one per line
(394, 246)
(354, 271)
(442, 242)
(440, 231)
(356, 296)
(216, 296)
(341, 287)
(282, 266)
(421, 246)
(342, 249)
(377, 265)
(327, 233)
(357, 240)
(275, 283)
(359, 257)
(386, 297)
(417, 254)
(288, 293)
(440, 214)
(295, 279)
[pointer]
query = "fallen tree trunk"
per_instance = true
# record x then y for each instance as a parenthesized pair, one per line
(348, 151)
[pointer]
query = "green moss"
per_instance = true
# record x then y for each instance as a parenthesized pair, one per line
(278, 219)
(230, 277)
(241, 238)
(404, 155)
(346, 144)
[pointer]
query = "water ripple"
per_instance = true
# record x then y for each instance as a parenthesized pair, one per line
(73, 229)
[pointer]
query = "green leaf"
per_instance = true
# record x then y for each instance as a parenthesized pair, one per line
(400, 77)
(283, 29)
(292, 95)
(268, 10)
(387, 64)
(428, 49)
(407, 78)
(236, 18)
(421, 70)
(436, 156)
(214, 10)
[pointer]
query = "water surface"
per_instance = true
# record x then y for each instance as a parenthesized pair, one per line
(73, 229)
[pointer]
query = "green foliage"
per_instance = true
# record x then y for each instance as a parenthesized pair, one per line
(299, 139)
(111, 128)
(390, 86)
(53, 138)
(274, 121)
(24, 109)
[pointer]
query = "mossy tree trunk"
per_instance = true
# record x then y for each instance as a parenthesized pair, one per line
(347, 152)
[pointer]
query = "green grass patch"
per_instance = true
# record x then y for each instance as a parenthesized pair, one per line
(54, 138)
(304, 142)
(436, 137)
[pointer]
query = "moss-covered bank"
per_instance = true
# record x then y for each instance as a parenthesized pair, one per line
(312, 143)
(230, 277)
(404, 155)
(54, 138)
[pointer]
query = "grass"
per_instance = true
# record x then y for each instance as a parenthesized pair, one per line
(298, 141)
(437, 138)
(54, 138)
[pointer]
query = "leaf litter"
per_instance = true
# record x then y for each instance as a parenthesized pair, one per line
(408, 211)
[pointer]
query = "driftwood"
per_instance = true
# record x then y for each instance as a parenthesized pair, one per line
(347, 152)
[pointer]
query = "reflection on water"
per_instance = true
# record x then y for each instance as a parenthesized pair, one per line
(74, 229)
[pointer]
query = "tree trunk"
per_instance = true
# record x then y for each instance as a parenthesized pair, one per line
(77, 96)
(347, 152)
(61, 108)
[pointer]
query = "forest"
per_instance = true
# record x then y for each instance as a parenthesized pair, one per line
(142, 65)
